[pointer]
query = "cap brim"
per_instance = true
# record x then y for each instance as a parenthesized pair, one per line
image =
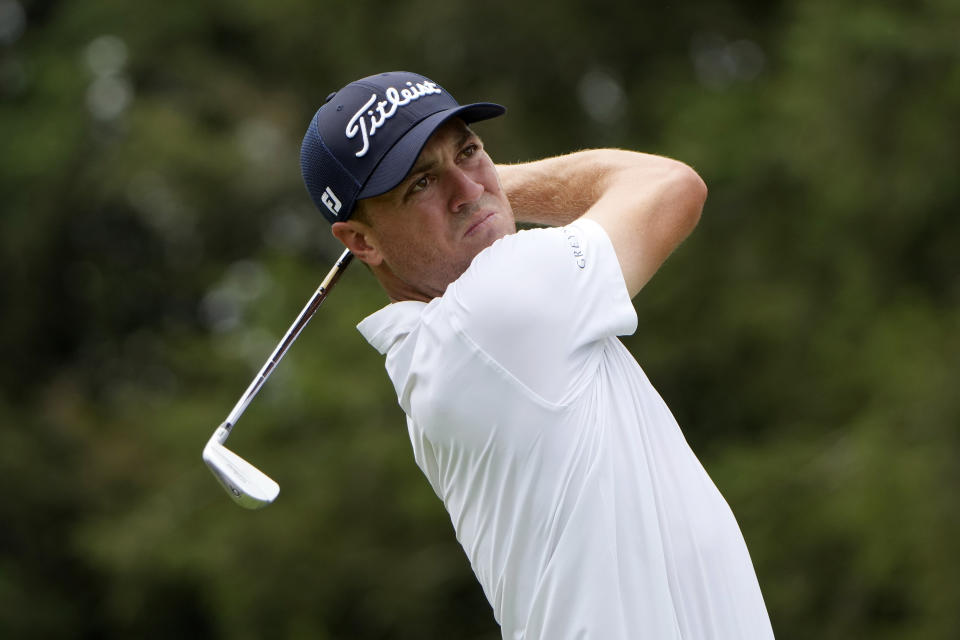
(397, 162)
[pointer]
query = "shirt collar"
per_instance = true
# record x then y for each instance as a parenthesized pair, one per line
(384, 327)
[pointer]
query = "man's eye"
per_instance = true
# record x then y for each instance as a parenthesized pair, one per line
(419, 185)
(469, 150)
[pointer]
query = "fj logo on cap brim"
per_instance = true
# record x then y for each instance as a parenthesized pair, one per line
(331, 201)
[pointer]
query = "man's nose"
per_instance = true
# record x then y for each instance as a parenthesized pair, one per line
(465, 190)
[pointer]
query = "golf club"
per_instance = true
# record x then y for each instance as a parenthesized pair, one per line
(248, 486)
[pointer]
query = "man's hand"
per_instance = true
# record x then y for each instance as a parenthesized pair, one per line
(647, 204)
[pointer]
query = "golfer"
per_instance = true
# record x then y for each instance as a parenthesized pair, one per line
(582, 509)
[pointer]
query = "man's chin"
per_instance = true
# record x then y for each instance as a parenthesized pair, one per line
(491, 229)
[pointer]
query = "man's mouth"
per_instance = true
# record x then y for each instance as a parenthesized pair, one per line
(476, 225)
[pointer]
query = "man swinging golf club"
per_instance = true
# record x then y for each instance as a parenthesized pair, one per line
(582, 509)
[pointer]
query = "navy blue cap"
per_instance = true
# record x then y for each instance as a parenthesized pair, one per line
(365, 139)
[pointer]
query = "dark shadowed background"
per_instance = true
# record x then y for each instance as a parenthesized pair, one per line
(157, 241)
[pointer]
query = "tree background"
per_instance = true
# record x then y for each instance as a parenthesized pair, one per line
(157, 241)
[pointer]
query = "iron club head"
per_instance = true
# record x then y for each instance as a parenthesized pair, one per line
(248, 486)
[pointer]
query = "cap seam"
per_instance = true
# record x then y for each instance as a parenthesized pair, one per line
(335, 158)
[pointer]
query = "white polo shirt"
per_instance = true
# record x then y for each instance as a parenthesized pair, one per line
(582, 509)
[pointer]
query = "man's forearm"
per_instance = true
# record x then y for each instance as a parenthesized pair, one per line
(556, 191)
(539, 191)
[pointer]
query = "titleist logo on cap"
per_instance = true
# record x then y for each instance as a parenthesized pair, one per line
(378, 115)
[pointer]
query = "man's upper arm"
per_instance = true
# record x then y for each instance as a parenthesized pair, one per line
(647, 210)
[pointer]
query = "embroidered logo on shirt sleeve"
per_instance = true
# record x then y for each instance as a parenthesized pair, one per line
(574, 243)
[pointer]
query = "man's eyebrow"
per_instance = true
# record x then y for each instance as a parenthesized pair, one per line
(427, 164)
(464, 136)
(421, 166)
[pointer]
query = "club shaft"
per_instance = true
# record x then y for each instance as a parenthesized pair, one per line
(287, 341)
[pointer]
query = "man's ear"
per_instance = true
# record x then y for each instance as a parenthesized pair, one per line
(357, 237)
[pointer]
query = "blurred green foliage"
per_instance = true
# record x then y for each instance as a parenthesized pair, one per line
(156, 243)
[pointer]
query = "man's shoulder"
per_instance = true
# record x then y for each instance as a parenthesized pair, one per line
(531, 265)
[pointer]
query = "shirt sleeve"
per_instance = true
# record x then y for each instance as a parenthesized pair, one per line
(543, 304)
